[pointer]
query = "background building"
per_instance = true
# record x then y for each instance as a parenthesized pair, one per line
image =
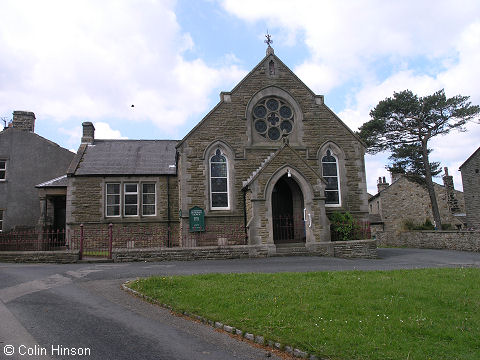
(471, 187)
(407, 201)
(26, 159)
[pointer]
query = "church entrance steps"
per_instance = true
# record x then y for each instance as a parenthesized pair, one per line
(292, 249)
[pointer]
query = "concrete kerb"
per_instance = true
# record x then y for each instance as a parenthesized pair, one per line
(254, 338)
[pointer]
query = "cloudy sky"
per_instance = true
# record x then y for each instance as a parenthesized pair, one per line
(74, 61)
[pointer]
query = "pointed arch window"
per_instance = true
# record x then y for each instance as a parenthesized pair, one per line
(330, 174)
(219, 199)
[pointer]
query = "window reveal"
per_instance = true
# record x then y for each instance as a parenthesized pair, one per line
(330, 174)
(131, 200)
(113, 200)
(148, 199)
(3, 169)
(218, 181)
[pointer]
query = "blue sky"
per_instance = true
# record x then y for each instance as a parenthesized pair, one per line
(74, 61)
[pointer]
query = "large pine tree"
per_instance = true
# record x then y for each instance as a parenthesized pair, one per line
(405, 123)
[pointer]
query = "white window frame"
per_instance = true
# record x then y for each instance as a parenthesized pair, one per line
(2, 214)
(119, 200)
(210, 181)
(155, 201)
(3, 169)
(332, 153)
(125, 193)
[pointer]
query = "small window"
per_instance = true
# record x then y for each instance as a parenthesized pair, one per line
(1, 220)
(148, 199)
(113, 200)
(131, 200)
(330, 174)
(3, 170)
(219, 181)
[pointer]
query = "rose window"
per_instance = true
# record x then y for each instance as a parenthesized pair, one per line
(272, 117)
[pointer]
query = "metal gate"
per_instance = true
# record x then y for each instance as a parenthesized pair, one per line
(95, 243)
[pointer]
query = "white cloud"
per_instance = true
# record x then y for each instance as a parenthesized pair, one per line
(104, 131)
(92, 60)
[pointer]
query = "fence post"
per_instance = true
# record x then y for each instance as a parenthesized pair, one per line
(110, 240)
(80, 255)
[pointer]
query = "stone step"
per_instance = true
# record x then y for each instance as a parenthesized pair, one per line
(292, 250)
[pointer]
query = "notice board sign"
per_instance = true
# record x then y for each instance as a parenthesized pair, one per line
(197, 219)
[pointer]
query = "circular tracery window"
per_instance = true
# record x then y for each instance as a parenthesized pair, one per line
(272, 117)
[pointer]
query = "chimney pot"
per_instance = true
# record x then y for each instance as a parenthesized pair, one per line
(382, 184)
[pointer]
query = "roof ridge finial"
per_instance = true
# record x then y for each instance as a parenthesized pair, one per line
(268, 42)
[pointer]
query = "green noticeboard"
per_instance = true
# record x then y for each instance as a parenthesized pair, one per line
(197, 219)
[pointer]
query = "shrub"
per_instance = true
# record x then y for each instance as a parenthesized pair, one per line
(342, 226)
(410, 225)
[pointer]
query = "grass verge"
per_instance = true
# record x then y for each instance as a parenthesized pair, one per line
(404, 314)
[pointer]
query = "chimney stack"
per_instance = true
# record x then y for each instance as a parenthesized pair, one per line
(382, 184)
(452, 201)
(24, 120)
(88, 133)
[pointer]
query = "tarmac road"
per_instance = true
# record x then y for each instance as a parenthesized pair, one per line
(47, 309)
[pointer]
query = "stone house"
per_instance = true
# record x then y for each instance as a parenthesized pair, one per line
(405, 200)
(27, 159)
(270, 158)
(471, 187)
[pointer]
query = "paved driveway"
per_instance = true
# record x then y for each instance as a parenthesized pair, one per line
(46, 309)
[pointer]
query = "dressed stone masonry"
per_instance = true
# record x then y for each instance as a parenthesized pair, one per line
(471, 186)
(270, 159)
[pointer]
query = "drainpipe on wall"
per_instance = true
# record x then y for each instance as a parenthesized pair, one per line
(168, 210)
(244, 190)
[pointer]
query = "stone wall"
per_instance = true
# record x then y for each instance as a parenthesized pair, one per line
(199, 253)
(63, 257)
(471, 187)
(366, 249)
(451, 240)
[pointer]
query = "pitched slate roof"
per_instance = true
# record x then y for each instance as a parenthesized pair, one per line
(60, 181)
(128, 157)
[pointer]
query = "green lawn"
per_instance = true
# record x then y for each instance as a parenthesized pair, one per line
(405, 314)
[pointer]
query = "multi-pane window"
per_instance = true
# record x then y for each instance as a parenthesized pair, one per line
(127, 196)
(3, 169)
(113, 200)
(219, 181)
(131, 200)
(1, 220)
(330, 174)
(148, 199)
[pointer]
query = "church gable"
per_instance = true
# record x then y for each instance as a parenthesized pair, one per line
(284, 162)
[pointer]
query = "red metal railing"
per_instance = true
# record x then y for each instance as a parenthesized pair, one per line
(31, 240)
(101, 240)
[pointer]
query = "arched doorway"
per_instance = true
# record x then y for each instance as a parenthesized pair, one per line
(287, 212)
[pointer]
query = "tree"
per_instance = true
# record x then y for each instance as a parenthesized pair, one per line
(407, 122)
(407, 159)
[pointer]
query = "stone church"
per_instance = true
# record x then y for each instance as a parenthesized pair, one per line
(270, 158)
